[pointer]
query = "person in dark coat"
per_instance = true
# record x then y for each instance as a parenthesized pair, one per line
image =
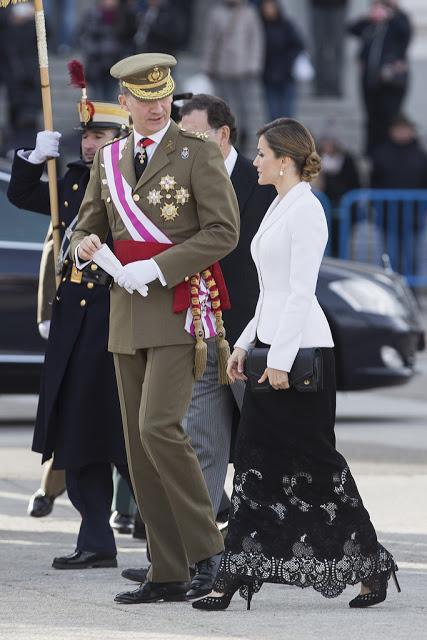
(400, 162)
(106, 34)
(78, 417)
(282, 46)
(163, 26)
(384, 34)
(328, 32)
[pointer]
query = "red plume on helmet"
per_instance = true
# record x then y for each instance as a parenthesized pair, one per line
(77, 79)
(77, 74)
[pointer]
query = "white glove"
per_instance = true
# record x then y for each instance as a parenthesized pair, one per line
(44, 328)
(136, 275)
(106, 259)
(47, 145)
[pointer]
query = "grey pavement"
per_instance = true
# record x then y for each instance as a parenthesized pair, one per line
(382, 433)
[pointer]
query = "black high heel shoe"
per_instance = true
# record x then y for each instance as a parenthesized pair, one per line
(378, 586)
(210, 603)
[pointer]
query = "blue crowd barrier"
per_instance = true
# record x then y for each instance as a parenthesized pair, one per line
(372, 222)
(327, 206)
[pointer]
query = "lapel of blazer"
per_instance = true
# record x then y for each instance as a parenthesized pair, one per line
(277, 212)
(126, 162)
(161, 155)
(243, 181)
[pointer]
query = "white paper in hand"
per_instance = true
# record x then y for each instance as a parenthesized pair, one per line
(106, 259)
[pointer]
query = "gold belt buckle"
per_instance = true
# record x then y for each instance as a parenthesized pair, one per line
(76, 275)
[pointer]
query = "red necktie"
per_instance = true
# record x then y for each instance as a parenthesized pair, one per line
(141, 158)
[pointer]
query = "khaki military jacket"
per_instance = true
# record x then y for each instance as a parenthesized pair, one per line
(205, 230)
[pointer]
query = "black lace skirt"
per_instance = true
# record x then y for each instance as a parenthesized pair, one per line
(297, 517)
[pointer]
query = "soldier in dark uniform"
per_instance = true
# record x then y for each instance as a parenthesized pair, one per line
(78, 417)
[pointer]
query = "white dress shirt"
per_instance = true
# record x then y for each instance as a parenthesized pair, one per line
(230, 160)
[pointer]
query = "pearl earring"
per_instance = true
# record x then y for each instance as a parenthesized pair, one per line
(281, 172)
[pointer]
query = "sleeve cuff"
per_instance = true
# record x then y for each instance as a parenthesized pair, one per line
(80, 265)
(25, 155)
(159, 273)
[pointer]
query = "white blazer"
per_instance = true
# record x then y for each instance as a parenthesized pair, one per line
(287, 250)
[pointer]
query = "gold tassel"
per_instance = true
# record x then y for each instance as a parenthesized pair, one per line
(223, 350)
(200, 351)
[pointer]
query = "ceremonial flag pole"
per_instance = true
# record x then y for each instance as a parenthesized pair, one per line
(48, 118)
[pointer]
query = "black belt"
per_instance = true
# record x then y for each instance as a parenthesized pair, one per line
(88, 274)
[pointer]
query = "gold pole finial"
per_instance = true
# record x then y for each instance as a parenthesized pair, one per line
(6, 3)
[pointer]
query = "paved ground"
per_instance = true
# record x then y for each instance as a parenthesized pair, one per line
(384, 436)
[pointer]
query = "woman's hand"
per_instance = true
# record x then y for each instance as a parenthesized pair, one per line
(236, 365)
(277, 378)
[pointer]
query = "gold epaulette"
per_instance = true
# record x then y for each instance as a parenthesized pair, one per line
(198, 135)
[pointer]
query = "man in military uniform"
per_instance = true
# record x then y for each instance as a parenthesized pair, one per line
(83, 442)
(171, 207)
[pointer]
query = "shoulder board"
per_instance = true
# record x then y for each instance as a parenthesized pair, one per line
(198, 135)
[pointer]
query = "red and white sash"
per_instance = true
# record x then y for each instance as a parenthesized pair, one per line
(142, 229)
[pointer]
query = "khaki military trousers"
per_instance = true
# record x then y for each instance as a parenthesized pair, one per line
(155, 387)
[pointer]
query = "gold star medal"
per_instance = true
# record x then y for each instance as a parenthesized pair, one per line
(169, 212)
(154, 197)
(167, 183)
(182, 196)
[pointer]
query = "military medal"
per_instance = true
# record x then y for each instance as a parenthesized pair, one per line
(169, 212)
(167, 183)
(185, 153)
(154, 197)
(182, 196)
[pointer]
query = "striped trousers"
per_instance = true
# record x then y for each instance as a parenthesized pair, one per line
(208, 423)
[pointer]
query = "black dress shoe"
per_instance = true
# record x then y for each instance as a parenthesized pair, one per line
(136, 575)
(204, 579)
(121, 523)
(154, 592)
(84, 560)
(40, 504)
(140, 575)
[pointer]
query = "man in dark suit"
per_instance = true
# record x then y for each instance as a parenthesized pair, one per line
(210, 416)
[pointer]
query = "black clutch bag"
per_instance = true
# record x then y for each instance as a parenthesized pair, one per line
(306, 374)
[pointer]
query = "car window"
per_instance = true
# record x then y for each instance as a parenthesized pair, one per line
(18, 225)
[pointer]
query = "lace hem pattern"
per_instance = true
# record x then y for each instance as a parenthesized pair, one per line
(328, 577)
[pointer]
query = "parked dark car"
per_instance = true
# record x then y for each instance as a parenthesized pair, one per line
(373, 315)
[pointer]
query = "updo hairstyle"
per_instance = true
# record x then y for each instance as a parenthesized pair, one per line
(289, 138)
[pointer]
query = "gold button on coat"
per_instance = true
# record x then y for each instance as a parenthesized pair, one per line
(75, 186)
(83, 302)
(90, 285)
(136, 197)
(65, 203)
(108, 199)
(63, 223)
(94, 266)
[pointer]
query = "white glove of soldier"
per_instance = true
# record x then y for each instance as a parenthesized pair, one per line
(47, 146)
(137, 274)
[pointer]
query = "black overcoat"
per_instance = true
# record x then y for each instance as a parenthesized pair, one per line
(78, 416)
(238, 267)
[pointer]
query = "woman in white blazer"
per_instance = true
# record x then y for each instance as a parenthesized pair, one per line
(297, 517)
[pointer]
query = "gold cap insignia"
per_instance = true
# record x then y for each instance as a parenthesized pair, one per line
(155, 75)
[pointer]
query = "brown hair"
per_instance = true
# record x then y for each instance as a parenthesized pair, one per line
(289, 138)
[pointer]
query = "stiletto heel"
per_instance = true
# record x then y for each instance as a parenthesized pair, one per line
(395, 580)
(378, 590)
(210, 603)
(250, 594)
